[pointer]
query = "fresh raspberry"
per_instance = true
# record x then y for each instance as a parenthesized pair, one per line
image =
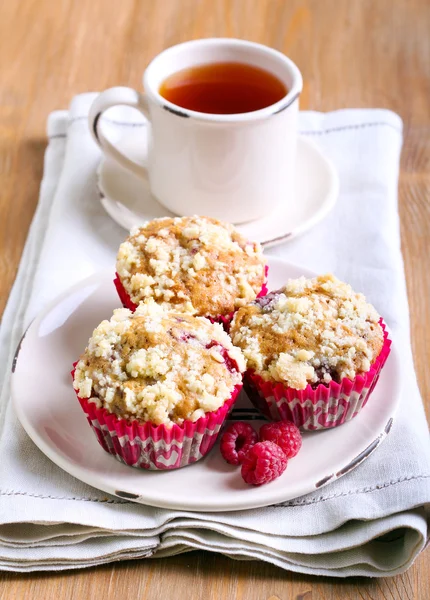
(264, 462)
(236, 440)
(283, 433)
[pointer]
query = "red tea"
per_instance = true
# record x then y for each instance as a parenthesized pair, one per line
(223, 88)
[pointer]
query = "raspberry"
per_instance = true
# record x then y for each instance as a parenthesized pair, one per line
(229, 362)
(237, 439)
(264, 462)
(264, 302)
(283, 433)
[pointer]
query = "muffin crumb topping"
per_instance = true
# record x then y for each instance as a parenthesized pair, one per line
(158, 366)
(311, 331)
(193, 264)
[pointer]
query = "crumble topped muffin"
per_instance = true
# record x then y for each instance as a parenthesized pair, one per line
(158, 366)
(194, 264)
(312, 331)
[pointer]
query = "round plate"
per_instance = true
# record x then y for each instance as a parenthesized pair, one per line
(127, 199)
(46, 405)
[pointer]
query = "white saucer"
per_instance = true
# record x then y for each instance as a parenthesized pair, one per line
(46, 405)
(127, 199)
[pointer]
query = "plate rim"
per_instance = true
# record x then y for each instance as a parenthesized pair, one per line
(77, 471)
(325, 207)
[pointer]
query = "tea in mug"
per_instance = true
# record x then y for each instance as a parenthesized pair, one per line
(224, 88)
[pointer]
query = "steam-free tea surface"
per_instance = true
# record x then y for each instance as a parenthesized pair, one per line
(223, 88)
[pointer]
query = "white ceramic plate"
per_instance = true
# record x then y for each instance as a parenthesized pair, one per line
(46, 405)
(127, 199)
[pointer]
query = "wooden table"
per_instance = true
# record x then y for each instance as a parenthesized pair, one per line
(353, 53)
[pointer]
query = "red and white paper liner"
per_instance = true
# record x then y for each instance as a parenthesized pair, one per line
(323, 407)
(156, 447)
(225, 320)
(126, 301)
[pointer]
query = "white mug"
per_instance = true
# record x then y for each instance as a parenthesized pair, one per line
(235, 167)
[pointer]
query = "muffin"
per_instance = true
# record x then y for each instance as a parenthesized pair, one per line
(314, 350)
(196, 265)
(156, 385)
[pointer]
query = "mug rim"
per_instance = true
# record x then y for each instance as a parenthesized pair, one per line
(272, 109)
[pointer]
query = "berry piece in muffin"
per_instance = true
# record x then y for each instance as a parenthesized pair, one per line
(312, 331)
(158, 366)
(195, 265)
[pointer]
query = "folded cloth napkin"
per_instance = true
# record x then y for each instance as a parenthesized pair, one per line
(373, 521)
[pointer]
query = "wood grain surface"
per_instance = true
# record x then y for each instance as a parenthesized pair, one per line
(353, 53)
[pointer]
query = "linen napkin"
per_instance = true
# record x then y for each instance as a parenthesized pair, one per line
(372, 522)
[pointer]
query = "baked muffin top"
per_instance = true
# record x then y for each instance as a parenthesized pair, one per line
(195, 264)
(311, 331)
(158, 366)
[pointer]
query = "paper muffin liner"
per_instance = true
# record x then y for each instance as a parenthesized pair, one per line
(225, 320)
(264, 288)
(322, 407)
(127, 302)
(156, 447)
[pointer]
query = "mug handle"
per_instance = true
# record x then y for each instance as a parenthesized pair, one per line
(115, 96)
